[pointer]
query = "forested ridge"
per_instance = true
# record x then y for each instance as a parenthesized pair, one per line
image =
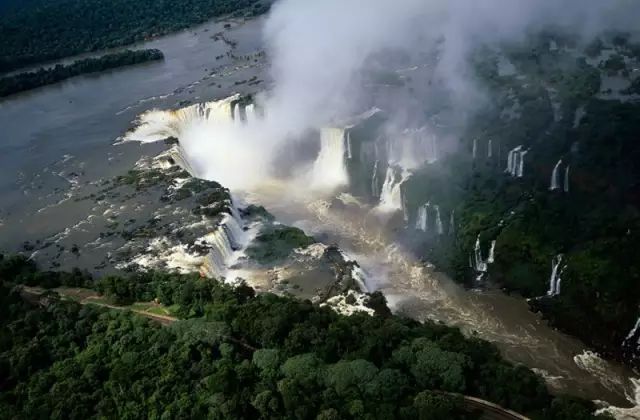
(42, 30)
(42, 77)
(239, 355)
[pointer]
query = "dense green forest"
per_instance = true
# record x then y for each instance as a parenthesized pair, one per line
(42, 30)
(25, 81)
(239, 355)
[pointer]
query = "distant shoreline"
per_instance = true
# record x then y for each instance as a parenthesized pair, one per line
(22, 82)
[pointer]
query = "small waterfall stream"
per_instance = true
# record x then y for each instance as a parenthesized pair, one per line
(555, 177)
(554, 280)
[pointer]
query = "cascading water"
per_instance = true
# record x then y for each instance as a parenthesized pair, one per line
(439, 227)
(330, 170)
(249, 113)
(224, 242)
(492, 253)
(632, 333)
(375, 187)
(422, 221)
(156, 125)
(452, 222)
(490, 149)
(235, 113)
(479, 264)
(349, 150)
(554, 280)
(433, 152)
(515, 162)
(521, 163)
(474, 152)
(391, 195)
(555, 177)
(566, 179)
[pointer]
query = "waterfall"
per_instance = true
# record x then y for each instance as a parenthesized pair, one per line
(375, 187)
(566, 179)
(235, 113)
(249, 113)
(554, 280)
(515, 162)
(492, 253)
(329, 169)
(511, 160)
(632, 333)
(422, 221)
(474, 152)
(434, 149)
(391, 196)
(439, 228)
(349, 151)
(157, 125)
(521, 164)
(452, 222)
(227, 238)
(480, 265)
(490, 149)
(555, 177)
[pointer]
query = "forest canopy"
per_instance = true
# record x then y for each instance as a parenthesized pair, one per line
(235, 354)
(41, 30)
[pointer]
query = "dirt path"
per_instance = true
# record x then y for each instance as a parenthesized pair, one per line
(90, 297)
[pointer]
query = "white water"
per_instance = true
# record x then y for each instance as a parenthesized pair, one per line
(479, 264)
(452, 222)
(555, 177)
(349, 149)
(554, 280)
(329, 170)
(513, 161)
(375, 187)
(439, 227)
(214, 145)
(492, 253)
(521, 163)
(633, 330)
(422, 221)
(391, 195)
(249, 113)
(566, 179)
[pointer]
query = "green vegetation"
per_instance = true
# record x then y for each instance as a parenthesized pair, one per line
(241, 355)
(594, 225)
(25, 81)
(275, 242)
(42, 30)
